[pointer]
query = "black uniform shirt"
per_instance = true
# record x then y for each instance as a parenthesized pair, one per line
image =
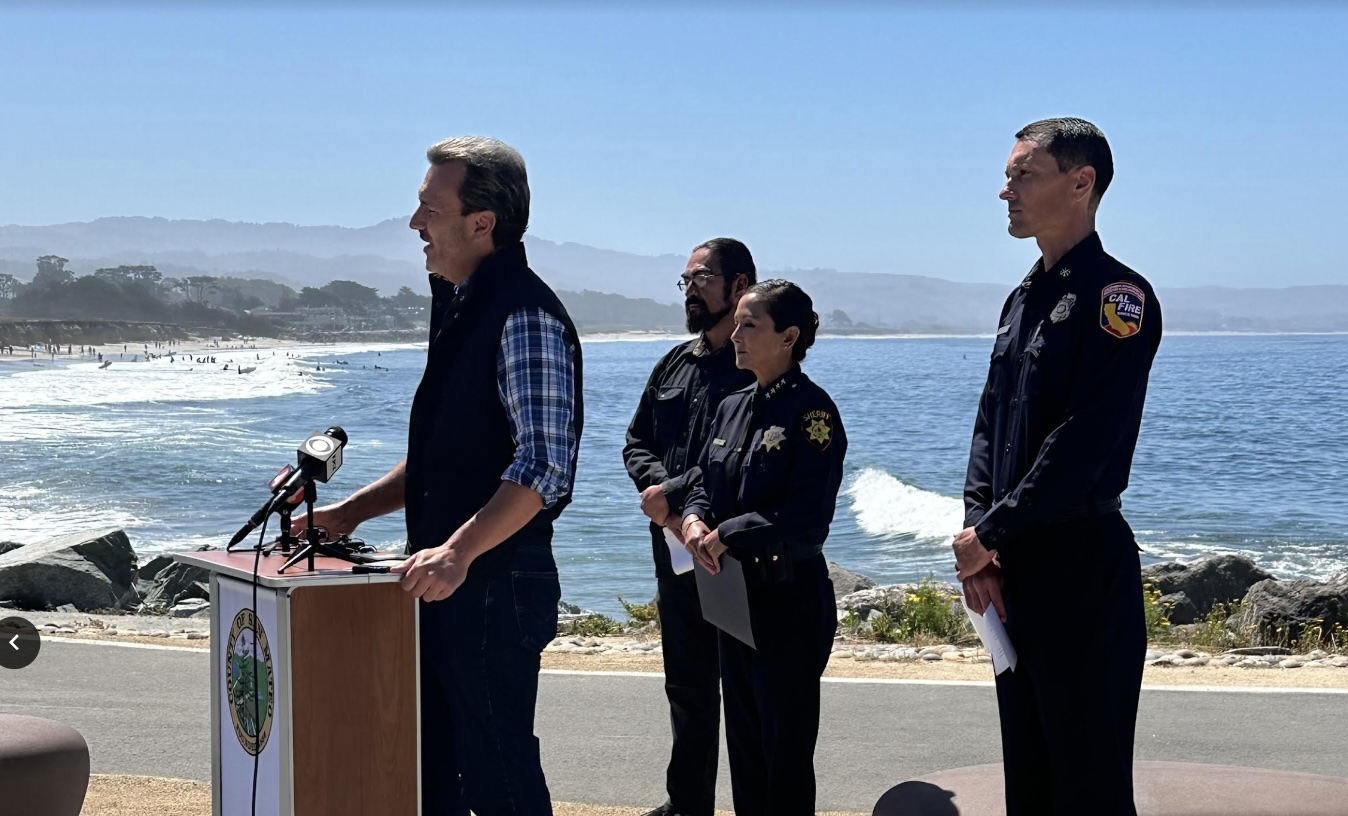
(772, 469)
(1059, 416)
(674, 416)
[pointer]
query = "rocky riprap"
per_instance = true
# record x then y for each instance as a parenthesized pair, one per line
(99, 572)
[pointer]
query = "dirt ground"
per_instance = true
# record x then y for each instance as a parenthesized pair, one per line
(141, 795)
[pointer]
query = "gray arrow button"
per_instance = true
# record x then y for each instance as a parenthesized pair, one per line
(22, 643)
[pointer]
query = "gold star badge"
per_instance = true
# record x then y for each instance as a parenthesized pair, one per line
(773, 438)
(819, 432)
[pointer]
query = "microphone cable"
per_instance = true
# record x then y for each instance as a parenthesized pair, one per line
(257, 686)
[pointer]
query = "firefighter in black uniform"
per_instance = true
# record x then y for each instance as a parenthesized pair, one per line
(663, 442)
(770, 478)
(1052, 447)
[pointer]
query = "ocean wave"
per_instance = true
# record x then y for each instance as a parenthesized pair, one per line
(24, 524)
(1285, 560)
(886, 506)
(161, 380)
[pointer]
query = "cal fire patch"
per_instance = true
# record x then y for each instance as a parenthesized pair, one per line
(1121, 307)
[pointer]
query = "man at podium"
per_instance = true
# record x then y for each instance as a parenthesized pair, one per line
(491, 460)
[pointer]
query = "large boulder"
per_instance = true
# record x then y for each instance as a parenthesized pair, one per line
(154, 566)
(91, 571)
(176, 583)
(890, 600)
(163, 583)
(1204, 583)
(867, 602)
(1182, 611)
(845, 582)
(9, 546)
(1276, 607)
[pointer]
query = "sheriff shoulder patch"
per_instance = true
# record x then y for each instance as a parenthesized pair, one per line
(1121, 307)
(818, 428)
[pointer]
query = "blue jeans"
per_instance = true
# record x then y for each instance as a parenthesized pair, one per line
(480, 653)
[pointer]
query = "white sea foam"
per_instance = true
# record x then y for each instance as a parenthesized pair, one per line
(27, 522)
(84, 383)
(1284, 560)
(277, 372)
(885, 506)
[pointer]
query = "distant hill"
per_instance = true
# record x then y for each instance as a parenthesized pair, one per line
(388, 256)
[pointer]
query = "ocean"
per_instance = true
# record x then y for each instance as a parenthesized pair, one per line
(1242, 450)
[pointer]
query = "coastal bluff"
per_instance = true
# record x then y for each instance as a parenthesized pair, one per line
(22, 333)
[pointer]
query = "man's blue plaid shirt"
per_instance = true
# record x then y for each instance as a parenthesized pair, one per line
(536, 380)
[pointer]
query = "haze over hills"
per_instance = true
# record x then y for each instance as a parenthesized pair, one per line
(388, 256)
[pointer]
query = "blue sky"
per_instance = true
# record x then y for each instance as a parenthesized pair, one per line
(867, 139)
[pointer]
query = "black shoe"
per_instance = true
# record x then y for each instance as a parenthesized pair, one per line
(664, 810)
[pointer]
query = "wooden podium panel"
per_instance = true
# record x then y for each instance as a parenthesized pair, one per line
(350, 650)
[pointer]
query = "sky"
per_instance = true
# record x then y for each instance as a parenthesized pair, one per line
(869, 137)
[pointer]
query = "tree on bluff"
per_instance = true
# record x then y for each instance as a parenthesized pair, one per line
(409, 299)
(143, 275)
(52, 272)
(198, 286)
(312, 298)
(353, 296)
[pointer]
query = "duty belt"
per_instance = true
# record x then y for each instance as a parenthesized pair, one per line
(1090, 510)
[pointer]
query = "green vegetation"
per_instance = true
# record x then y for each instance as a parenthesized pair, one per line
(928, 614)
(641, 619)
(1156, 613)
(256, 307)
(1234, 626)
(595, 625)
(641, 616)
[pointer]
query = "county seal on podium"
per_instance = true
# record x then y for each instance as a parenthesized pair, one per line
(249, 679)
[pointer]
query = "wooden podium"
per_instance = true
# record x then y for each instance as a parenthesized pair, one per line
(337, 656)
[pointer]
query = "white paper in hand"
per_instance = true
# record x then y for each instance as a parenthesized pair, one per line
(993, 634)
(679, 557)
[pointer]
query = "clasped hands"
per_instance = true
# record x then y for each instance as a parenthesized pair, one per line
(699, 540)
(704, 543)
(978, 570)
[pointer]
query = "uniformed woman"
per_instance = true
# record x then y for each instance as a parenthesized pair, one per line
(770, 477)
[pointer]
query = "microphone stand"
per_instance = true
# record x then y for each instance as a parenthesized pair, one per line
(286, 541)
(313, 546)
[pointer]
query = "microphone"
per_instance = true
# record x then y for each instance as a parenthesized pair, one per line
(318, 457)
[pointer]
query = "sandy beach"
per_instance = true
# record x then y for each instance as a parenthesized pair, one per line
(222, 350)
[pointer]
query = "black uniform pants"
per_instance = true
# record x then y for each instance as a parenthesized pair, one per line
(480, 654)
(1068, 717)
(693, 686)
(772, 692)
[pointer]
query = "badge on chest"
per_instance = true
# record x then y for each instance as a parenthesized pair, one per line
(773, 438)
(1063, 309)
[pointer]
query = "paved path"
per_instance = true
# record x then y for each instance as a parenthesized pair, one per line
(605, 737)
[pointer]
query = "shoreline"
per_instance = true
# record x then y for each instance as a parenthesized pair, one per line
(852, 658)
(196, 344)
(193, 346)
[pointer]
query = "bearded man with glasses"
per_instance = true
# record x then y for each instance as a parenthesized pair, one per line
(664, 441)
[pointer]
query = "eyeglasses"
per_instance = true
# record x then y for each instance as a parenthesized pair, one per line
(696, 281)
